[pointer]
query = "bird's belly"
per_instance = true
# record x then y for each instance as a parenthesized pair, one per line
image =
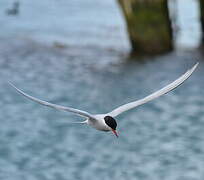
(99, 126)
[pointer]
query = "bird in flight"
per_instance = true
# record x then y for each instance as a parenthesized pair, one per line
(107, 122)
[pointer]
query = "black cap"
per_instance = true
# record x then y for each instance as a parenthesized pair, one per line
(111, 122)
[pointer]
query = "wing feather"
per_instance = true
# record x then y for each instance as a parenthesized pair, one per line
(155, 95)
(55, 106)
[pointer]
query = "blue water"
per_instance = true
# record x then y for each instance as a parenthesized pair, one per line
(89, 68)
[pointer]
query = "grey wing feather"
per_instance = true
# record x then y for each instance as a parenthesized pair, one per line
(55, 106)
(155, 95)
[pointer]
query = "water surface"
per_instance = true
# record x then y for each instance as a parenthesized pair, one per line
(163, 139)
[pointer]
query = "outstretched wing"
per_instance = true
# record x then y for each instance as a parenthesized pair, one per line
(55, 106)
(155, 95)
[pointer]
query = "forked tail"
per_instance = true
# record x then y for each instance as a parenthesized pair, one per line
(79, 122)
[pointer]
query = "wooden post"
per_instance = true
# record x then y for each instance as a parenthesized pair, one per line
(148, 25)
(202, 19)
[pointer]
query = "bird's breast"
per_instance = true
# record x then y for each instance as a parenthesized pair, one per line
(99, 125)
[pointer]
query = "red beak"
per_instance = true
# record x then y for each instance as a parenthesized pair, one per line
(114, 132)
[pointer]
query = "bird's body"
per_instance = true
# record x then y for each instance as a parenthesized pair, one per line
(14, 10)
(106, 122)
(99, 122)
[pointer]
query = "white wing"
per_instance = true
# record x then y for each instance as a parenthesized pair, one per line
(58, 107)
(157, 94)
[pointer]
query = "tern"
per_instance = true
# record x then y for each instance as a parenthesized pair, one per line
(107, 122)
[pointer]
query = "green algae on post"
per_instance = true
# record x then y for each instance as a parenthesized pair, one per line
(148, 25)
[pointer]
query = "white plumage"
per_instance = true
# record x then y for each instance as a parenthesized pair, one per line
(105, 122)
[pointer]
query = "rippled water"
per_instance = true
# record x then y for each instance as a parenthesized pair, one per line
(163, 139)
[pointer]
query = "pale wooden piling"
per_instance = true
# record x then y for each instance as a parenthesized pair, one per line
(148, 25)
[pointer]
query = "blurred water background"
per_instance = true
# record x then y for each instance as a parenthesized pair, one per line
(75, 53)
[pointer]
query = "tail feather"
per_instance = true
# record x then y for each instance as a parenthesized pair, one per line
(80, 122)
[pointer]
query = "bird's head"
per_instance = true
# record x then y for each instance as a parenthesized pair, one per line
(111, 122)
